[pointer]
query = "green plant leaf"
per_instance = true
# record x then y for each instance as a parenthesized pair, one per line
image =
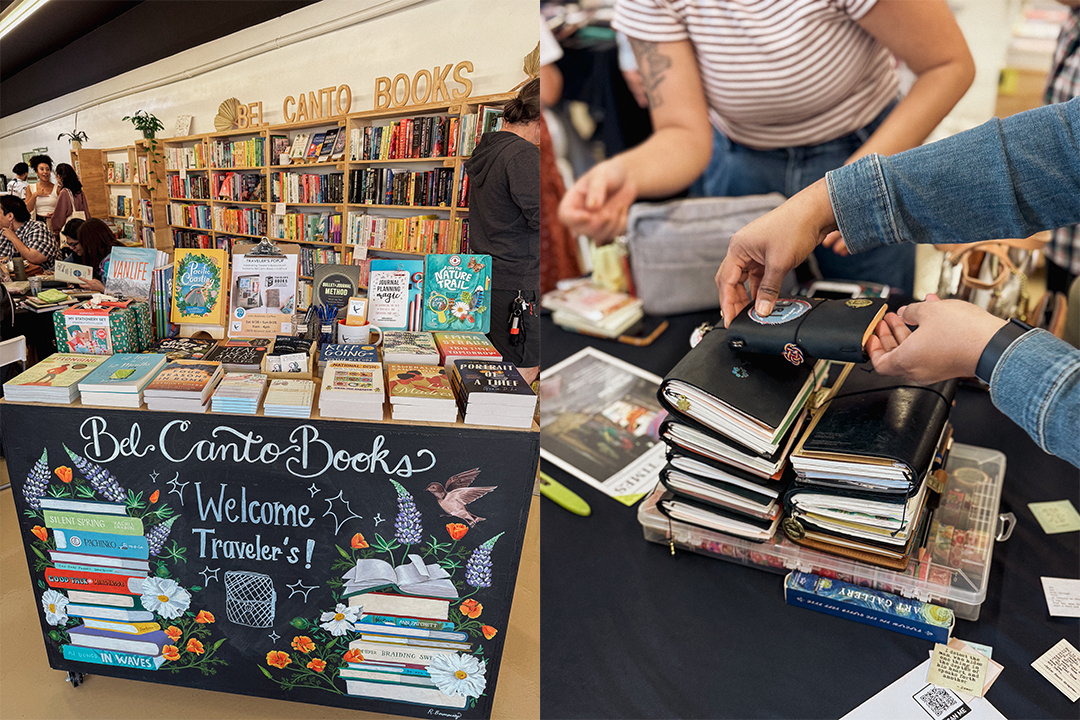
(266, 672)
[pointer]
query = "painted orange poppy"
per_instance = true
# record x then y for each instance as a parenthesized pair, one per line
(278, 659)
(170, 652)
(471, 609)
(64, 473)
(204, 617)
(303, 644)
(317, 665)
(353, 656)
(154, 496)
(457, 530)
(358, 541)
(194, 646)
(41, 533)
(173, 632)
(489, 632)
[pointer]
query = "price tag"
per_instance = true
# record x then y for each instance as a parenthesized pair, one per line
(279, 208)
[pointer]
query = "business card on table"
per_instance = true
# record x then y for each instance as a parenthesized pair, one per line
(1062, 596)
(1061, 666)
(957, 670)
(1055, 517)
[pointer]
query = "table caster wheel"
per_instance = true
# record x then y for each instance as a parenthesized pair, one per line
(75, 678)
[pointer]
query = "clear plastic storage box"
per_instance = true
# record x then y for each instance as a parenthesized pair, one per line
(952, 571)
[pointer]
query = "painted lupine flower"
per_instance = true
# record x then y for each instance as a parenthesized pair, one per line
(457, 674)
(157, 535)
(478, 569)
(36, 481)
(407, 525)
(102, 480)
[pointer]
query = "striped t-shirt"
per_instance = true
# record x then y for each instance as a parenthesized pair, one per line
(777, 73)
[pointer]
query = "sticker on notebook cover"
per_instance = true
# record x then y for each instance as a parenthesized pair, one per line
(793, 354)
(740, 373)
(783, 311)
(859, 303)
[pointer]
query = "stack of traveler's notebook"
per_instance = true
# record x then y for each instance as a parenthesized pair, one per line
(733, 421)
(863, 468)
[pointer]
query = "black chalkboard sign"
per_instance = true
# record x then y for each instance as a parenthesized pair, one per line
(370, 566)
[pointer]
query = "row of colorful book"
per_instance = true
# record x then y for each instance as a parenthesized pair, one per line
(418, 234)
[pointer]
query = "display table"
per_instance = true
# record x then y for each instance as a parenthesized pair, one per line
(629, 631)
(251, 524)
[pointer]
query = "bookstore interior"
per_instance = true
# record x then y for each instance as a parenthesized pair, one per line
(266, 446)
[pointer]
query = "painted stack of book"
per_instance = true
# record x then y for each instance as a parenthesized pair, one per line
(289, 398)
(183, 386)
(334, 352)
(352, 390)
(239, 393)
(400, 634)
(410, 347)
(120, 380)
(53, 380)
(113, 560)
(493, 393)
(464, 346)
(420, 392)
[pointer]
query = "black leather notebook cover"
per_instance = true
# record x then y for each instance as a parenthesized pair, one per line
(823, 329)
(761, 386)
(882, 417)
(670, 421)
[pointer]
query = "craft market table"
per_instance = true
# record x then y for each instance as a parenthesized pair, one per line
(250, 525)
(630, 631)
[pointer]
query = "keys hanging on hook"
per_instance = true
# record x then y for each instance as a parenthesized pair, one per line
(517, 330)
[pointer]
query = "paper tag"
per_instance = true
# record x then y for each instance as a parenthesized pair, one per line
(1056, 517)
(279, 208)
(1062, 596)
(956, 670)
(183, 174)
(993, 669)
(1061, 666)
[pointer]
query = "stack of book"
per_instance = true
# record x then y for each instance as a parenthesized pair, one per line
(289, 398)
(864, 468)
(420, 392)
(239, 393)
(586, 308)
(120, 380)
(733, 421)
(492, 393)
(333, 352)
(409, 347)
(352, 390)
(53, 380)
(464, 346)
(400, 634)
(183, 386)
(238, 358)
(113, 560)
(47, 301)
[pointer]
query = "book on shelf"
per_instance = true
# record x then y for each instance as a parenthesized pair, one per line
(328, 143)
(414, 300)
(279, 145)
(388, 295)
(183, 385)
(410, 347)
(424, 385)
(300, 144)
(357, 383)
(315, 146)
(491, 393)
(337, 152)
(333, 352)
(238, 358)
(464, 346)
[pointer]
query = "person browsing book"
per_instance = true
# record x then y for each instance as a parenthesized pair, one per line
(70, 198)
(763, 97)
(19, 235)
(504, 222)
(1005, 178)
(92, 246)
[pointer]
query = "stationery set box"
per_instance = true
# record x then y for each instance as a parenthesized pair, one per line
(123, 327)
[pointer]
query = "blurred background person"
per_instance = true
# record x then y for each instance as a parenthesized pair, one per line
(70, 198)
(18, 186)
(41, 199)
(92, 245)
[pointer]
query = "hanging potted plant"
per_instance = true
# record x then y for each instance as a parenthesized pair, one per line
(76, 136)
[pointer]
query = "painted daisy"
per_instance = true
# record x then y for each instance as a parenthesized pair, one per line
(460, 310)
(341, 620)
(165, 597)
(55, 605)
(458, 674)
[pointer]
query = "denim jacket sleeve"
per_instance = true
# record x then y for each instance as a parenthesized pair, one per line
(1005, 178)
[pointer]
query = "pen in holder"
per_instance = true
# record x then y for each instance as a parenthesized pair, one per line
(327, 318)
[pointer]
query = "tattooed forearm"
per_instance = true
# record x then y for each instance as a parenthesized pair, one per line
(652, 64)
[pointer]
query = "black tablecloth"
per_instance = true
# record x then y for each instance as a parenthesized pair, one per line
(628, 631)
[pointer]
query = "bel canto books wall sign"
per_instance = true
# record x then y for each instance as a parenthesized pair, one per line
(333, 563)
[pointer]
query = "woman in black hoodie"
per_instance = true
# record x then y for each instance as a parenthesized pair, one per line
(504, 222)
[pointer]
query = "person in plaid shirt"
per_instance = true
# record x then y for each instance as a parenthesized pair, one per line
(20, 235)
(1063, 250)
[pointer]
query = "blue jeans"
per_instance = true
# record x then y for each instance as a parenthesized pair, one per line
(737, 170)
(1004, 179)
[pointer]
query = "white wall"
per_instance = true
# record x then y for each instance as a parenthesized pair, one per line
(303, 51)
